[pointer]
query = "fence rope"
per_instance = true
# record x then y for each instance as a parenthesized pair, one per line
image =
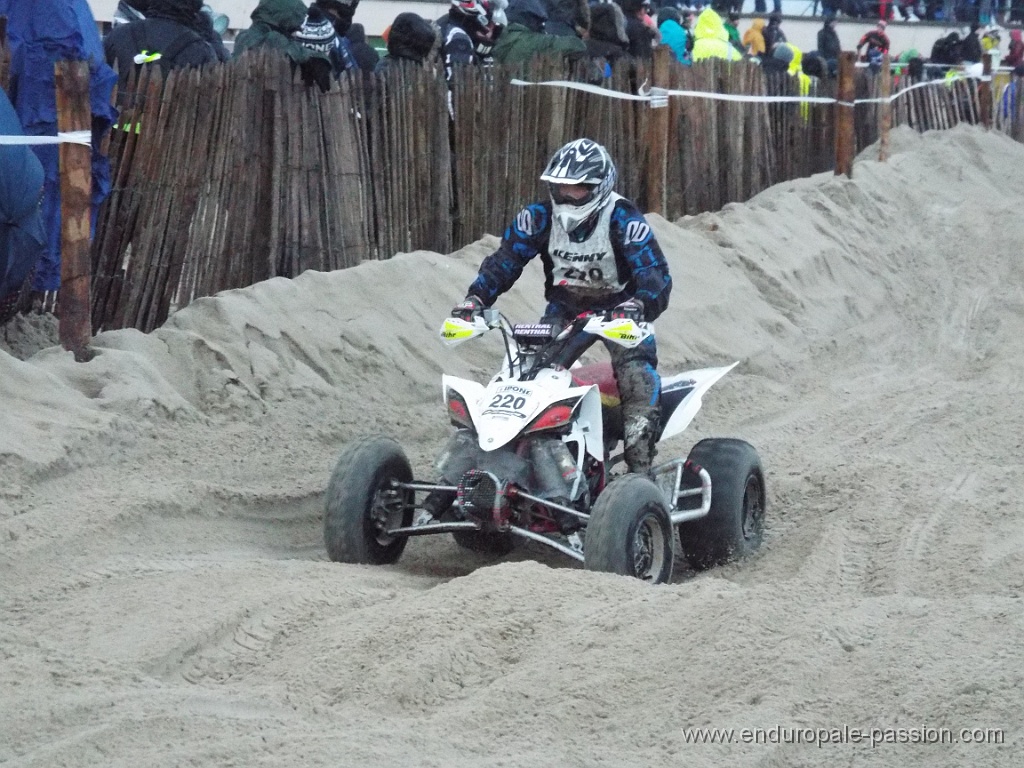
(658, 96)
(72, 137)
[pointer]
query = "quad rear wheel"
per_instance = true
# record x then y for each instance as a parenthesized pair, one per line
(362, 504)
(629, 531)
(734, 527)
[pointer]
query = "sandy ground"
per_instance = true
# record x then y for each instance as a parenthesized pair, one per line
(165, 598)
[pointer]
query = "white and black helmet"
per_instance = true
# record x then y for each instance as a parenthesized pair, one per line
(579, 162)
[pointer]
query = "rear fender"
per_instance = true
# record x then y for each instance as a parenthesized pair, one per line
(701, 381)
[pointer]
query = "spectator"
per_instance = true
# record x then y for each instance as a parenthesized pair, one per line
(411, 39)
(340, 13)
(876, 43)
(948, 50)
(689, 21)
(1015, 53)
(753, 38)
(648, 18)
(171, 35)
(607, 40)
(773, 34)
(971, 48)
(136, 10)
(129, 10)
(366, 55)
(22, 238)
(317, 35)
(641, 36)
(273, 24)
(524, 36)
(1008, 99)
(780, 59)
(829, 47)
(733, 30)
(567, 17)
(467, 34)
(673, 34)
(711, 41)
(40, 34)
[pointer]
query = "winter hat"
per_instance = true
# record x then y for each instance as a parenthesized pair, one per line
(316, 33)
(783, 52)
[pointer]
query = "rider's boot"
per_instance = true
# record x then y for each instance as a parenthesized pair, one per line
(641, 433)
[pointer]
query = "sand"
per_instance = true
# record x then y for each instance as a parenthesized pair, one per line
(165, 597)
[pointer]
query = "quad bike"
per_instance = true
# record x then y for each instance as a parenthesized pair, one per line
(530, 459)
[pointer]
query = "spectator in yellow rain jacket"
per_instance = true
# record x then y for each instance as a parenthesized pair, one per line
(711, 40)
(753, 40)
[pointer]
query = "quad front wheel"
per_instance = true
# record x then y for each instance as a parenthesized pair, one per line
(362, 504)
(629, 531)
(734, 527)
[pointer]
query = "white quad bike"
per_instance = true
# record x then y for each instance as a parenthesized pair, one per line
(530, 459)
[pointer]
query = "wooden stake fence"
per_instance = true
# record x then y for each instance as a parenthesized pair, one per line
(74, 114)
(236, 173)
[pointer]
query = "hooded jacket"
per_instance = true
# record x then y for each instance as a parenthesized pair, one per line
(711, 40)
(518, 44)
(753, 38)
(608, 38)
(273, 22)
(674, 36)
(523, 39)
(411, 39)
(171, 29)
(22, 239)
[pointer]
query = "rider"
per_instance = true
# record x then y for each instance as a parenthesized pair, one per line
(599, 254)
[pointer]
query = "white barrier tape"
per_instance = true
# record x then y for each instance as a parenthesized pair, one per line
(74, 137)
(586, 88)
(658, 97)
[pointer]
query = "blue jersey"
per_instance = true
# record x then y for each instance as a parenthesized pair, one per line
(638, 258)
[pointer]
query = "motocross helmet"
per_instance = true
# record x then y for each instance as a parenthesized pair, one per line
(469, 12)
(579, 162)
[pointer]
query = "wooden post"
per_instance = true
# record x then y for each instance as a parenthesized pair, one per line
(885, 113)
(844, 114)
(985, 91)
(657, 135)
(74, 114)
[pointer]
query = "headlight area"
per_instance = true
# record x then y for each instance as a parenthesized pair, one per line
(555, 416)
(458, 410)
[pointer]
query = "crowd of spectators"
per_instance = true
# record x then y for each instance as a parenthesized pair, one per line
(322, 41)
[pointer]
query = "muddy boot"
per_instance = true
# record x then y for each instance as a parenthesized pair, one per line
(641, 428)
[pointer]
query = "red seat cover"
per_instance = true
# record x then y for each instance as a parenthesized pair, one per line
(602, 375)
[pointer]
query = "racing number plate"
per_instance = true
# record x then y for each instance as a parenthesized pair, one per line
(510, 401)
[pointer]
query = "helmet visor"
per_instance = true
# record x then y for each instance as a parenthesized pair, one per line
(572, 194)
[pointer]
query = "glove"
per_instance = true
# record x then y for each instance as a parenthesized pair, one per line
(632, 309)
(468, 308)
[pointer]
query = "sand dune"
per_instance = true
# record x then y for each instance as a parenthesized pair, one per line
(165, 598)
